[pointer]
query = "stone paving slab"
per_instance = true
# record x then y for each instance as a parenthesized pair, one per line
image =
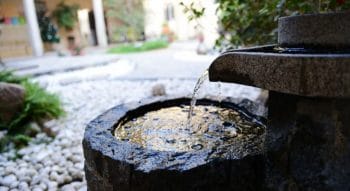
(54, 64)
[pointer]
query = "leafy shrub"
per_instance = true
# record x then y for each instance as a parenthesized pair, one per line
(39, 105)
(66, 15)
(247, 23)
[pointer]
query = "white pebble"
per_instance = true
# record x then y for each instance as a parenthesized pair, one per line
(3, 188)
(25, 179)
(23, 186)
(37, 189)
(8, 180)
(14, 184)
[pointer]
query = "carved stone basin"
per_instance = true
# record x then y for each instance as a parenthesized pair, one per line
(113, 163)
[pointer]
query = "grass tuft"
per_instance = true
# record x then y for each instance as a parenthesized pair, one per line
(145, 46)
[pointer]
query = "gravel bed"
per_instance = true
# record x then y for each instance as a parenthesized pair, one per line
(57, 163)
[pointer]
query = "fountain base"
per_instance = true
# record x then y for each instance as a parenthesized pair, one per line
(308, 143)
(113, 164)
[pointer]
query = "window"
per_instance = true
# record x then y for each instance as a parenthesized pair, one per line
(169, 12)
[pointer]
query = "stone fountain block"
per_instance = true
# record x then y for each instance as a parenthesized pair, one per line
(307, 138)
(329, 30)
(111, 164)
(308, 143)
(308, 78)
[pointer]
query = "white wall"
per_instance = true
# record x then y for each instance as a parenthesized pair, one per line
(154, 18)
(181, 26)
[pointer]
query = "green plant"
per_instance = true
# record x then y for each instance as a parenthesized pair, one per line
(48, 31)
(192, 11)
(65, 15)
(7, 76)
(39, 105)
(146, 46)
(251, 22)
(247, 23)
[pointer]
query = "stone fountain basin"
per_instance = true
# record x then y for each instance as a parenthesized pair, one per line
(112, 164)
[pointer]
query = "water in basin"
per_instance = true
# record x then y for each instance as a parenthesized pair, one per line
(190, 127)
(167, 130)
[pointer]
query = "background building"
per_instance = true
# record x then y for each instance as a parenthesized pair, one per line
(20, 34)
(160, 14)
(97, 24)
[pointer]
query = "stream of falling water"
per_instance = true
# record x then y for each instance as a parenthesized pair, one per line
(198, 85)
(219, 91)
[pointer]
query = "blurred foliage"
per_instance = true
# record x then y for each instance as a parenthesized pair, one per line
(248, 23)
(66, 15)
(48, 31)
(20, 140)
(139, 47)
(39, 105)
(128, 19)
(192, 11)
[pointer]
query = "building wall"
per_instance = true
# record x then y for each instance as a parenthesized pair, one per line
(76, 32)
(11, 8)
(20, 46)
(154, 18)
(180, 25)
(14, 40)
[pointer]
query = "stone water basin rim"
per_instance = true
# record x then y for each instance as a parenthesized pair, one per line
(99, 136)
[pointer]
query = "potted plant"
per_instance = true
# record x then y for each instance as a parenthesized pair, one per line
(66, 15)
(48, 33)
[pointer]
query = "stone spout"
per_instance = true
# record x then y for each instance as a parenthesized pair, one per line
(311, 75)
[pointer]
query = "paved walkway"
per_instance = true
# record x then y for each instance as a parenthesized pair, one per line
(55, 64)
(177, 61)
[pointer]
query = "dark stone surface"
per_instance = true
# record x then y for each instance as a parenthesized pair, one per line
(308, 136)
(313, 75)
(11, 100)
(111, 164)
(331, 30)
(308, 143)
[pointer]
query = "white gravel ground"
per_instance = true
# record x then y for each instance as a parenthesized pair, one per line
(57, 164)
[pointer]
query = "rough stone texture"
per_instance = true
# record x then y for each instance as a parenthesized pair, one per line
(307, 138)
(330, 30)
(308, 143)
(111, 164)
(11, 100)
(316, 75)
